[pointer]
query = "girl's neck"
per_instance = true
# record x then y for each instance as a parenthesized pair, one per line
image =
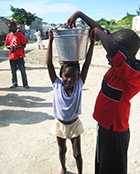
(68, 91)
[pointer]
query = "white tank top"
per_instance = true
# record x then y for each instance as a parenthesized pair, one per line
(66, 108)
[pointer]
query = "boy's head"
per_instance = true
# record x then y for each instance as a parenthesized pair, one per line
(128, 41)
(69, 73)
(13, 27)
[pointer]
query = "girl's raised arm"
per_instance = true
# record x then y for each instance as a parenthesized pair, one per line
(49, 56)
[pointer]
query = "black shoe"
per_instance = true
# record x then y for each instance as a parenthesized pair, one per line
(26, 86)
(14, 86)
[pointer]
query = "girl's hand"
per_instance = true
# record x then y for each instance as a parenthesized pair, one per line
(50, 34)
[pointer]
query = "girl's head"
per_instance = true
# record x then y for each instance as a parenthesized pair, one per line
(128, 41)
(69, 73)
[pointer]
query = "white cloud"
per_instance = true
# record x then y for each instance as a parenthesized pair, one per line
(45, 8)
(61, 7)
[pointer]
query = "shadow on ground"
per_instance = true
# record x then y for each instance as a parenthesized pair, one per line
(3, 55)
(22, 117)
(28, 50)
(38, 67)
(23, 101)
(38, 89)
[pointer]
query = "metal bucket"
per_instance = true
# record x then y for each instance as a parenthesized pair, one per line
(71, 44)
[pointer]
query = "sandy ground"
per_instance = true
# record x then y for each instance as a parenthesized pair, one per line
(26, 116)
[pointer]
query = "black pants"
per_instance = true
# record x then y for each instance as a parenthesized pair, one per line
(15, 65)
(111, 152)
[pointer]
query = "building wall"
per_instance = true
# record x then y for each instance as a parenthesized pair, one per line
(3, 27)
(136, 24)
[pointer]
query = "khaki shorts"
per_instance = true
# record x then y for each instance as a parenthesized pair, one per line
(67, 130)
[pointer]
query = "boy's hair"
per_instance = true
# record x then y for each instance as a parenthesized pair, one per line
(12, 23)
(73, 65)
(127, 40)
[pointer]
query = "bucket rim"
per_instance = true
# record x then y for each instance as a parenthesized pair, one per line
(68, 35)
(55, 32)
(71, 29)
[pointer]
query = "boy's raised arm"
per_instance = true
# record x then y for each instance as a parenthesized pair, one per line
(90, 22)
(107, 41)
(88, 58)
(49, 55)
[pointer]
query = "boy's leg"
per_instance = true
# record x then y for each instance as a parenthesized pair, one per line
(97, 163)
(21, 66)
(13, 65)
(111, 152)
(62, 152)
(76, 146)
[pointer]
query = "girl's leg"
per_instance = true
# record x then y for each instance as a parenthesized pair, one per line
(76, 146)
(62, 152)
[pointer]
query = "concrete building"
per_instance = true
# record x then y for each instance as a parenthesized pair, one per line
(136, 24)
(4, 25)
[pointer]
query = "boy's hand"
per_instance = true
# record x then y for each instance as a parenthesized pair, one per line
(13, 49)
(50, 34)
(72, 19)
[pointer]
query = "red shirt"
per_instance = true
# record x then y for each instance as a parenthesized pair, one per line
(16, 39)
(120, 84)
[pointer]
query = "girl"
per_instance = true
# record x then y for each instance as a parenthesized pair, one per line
(67, 103)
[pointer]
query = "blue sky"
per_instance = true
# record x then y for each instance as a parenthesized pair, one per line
(57, 11)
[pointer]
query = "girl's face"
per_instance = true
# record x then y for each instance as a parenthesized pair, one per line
(69, 77)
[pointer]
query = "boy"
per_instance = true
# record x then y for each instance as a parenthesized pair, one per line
(67, 103)
(16, 42)
(120, 83)
(39, 39)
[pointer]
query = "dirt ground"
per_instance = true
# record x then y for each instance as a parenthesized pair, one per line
(26, 143)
